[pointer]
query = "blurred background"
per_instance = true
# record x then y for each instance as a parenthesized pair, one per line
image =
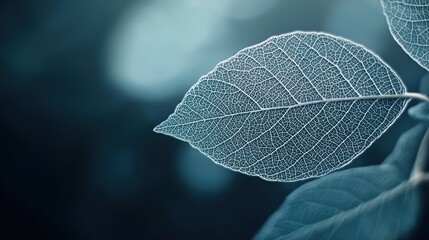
(83, 83)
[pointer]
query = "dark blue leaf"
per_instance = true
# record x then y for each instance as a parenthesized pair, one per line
(420, 111)
(375, 202)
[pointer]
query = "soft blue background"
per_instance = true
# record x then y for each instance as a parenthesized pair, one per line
(83, 83)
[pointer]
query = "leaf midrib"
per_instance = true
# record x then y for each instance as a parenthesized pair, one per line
(376, 97)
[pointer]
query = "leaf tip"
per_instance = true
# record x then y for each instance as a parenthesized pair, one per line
(158, 128)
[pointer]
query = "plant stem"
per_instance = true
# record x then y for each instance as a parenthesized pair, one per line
(417, 96)
(422, 155)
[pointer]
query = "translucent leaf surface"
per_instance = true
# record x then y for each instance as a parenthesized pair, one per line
(296, 106)
(408, 22)
(373, 202)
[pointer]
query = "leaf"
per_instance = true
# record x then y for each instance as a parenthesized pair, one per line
(420, 111)
(296, 106)
(408, 22)
(375, 202)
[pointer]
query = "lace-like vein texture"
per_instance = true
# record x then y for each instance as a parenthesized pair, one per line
(295, 106)
(408, 22)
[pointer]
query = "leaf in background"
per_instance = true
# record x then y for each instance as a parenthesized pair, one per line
(374, 202)
(296, 106)
(408, 22)
(420, 111)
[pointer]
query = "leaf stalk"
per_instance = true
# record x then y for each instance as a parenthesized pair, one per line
(417, 96)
